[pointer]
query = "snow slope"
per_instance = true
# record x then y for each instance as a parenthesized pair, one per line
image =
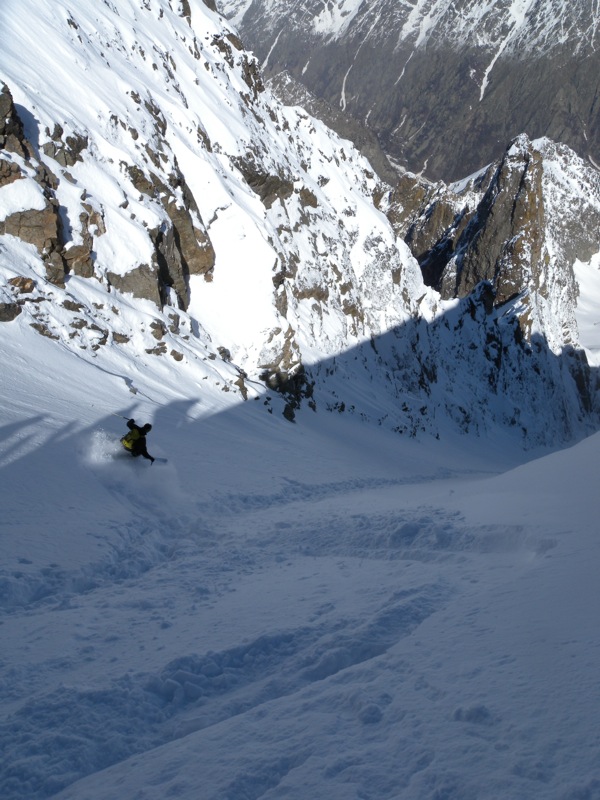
(323, 609)
(161, 90)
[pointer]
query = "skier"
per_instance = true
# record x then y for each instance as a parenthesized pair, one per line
(135, 441)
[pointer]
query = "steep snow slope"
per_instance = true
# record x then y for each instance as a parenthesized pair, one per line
(154, 107)
(321, 609)
(314, 610)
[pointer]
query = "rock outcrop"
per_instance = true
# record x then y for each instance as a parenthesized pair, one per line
(516, 225)
(182, 246)
(181, 243)
(40, 225)
(12, 136)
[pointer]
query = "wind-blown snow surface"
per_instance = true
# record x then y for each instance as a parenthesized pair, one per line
(323, 609)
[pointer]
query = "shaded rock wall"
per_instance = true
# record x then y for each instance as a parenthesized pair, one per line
(519, 225)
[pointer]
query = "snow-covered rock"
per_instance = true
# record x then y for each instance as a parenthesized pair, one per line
(178, 179)
(444, 85)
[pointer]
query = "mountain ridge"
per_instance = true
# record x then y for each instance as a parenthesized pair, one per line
(444, 86)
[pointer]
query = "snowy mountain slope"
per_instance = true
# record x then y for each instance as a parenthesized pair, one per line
(319, 609)
(193, 189)
(305, 610)
(444, 85)
(522, 27)
(222, 231)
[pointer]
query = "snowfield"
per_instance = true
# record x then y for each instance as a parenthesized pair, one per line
(318, 609)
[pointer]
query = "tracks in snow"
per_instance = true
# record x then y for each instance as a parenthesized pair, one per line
(186, 577)
(88, 729)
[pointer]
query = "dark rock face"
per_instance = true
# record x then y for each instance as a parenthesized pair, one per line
(503, 240)
(509, 226)
(140, 282)
(9, 311)
(182, 248)
(66, 151)
(22, 285)
(443, 85)
(39, 228)
(12, 137)
(268, 187)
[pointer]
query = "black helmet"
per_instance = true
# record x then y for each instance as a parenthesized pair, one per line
(147, 428)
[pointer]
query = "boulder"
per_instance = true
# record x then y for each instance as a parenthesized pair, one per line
(22, 285)
(40, 228)
(9, 311)
(140, 282)
(9, 172)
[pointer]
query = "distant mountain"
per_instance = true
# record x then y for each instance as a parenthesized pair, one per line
(159, 204)
(445, 86)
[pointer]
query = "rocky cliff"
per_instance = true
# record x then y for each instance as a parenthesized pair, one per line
(520, 224)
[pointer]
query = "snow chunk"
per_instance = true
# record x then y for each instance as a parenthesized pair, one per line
(21, 195)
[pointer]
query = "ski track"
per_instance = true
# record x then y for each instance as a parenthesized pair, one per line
(148, 710)
(190, 572)
(202, 555)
